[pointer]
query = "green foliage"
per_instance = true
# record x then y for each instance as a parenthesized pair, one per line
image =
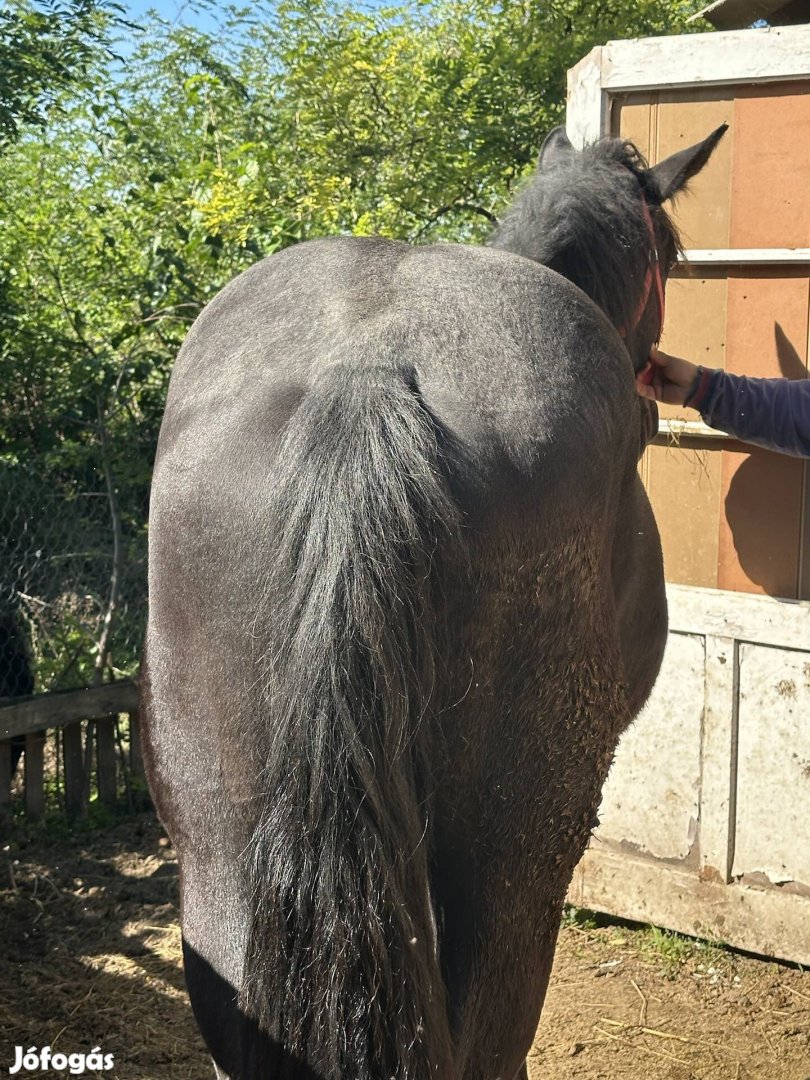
(45, 48)
(142, 188)
(672, 951)
(580, 918)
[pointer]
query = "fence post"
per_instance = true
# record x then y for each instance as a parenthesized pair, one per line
(35, 775)
(74, 768)
(5, 778)
(137, 773)
(105, 761)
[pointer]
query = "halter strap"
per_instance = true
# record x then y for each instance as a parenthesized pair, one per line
(653, 274)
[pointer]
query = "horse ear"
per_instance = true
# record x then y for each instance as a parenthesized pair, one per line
(555, 150)
(672, 174)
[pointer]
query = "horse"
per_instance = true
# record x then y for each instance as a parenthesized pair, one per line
(405, 593)
(16, 674)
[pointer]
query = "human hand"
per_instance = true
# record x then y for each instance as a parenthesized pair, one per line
(666, 378)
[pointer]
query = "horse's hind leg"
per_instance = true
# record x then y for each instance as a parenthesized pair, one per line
(497, 950)
(202, 790)
(213, 942)
(199, 821)
(214, 924)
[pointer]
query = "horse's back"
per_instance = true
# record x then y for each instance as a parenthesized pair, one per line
(512, 359)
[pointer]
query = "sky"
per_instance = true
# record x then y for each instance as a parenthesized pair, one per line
(203, 16)
(189, 13)
(181, 11)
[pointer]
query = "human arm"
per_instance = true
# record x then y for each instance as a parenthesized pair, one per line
(773, 413)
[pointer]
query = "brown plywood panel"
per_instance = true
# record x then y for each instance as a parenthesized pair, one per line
(738, 518)
(695, 325)
(632, 117)
(660, 124)
(768, 322)
(770, 207)
(684, 487)
(759, 533)
(702, 214)
(762, 536)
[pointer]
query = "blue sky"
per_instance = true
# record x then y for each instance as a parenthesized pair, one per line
(205, 15)
(182, 11)
(192, 13)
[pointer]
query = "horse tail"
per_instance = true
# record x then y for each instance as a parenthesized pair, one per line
(342, 966)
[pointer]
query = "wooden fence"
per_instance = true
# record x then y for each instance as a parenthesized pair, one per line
(90, 749)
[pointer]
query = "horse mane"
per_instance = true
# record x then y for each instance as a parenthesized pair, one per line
(583, 217)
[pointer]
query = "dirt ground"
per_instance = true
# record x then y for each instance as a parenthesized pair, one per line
(91, 957)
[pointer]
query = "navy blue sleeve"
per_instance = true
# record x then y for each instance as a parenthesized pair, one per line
(774, 413)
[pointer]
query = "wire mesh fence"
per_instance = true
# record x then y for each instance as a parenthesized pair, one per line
(72, 610)
(72, 607)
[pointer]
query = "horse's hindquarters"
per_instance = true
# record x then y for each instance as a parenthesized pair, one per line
(346, 688)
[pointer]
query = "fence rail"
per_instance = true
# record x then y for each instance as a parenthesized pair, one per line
(91, 749)
(27, 715)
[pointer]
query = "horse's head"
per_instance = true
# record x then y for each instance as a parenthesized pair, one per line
(596, 216)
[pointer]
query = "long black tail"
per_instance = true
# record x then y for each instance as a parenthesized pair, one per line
(342, 968)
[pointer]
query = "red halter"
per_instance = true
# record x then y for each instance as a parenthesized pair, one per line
(653, 274)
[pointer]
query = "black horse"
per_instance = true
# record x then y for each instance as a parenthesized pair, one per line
(16, 674)
(405, 594)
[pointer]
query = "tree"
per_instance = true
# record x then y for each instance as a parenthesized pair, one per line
(45, 49)
(417, 121)
(138, 194)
